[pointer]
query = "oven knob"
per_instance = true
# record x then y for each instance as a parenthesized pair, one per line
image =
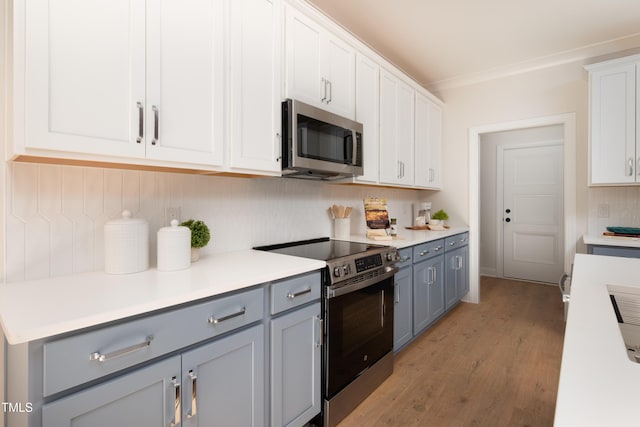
(346, 269)
(392, 256)
(337, 272)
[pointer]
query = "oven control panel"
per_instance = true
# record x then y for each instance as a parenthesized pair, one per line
(349, 267)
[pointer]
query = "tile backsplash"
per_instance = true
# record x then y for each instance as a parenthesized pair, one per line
(56, 214)
(622, 204)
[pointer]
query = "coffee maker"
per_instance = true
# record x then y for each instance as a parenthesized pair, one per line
(422, 213)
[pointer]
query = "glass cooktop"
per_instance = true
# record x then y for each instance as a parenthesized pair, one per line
(323, 249)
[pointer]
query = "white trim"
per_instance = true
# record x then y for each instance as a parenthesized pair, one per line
(568, 120)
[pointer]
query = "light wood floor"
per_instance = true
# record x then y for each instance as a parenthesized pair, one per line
(490, 364)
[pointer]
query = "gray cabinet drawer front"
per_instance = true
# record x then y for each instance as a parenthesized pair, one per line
(456, 241)
(428, 250)
(406, 257)
(295, 291)
(68, 361)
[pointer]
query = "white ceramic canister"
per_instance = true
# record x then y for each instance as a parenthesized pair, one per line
(126, 245)
(174, 247)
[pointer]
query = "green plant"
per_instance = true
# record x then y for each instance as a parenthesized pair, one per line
(441, 215)
(200, 234)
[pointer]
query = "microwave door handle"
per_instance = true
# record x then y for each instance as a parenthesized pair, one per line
(354, 148)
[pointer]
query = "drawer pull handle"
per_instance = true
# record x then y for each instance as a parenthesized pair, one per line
(423, 253)
(298, 294)
(405, 259)
(104, 357)
(452, 244)
(215, 321)
(177, 409)
(193, 412)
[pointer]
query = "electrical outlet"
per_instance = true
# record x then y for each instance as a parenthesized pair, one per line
(603, 210)
(171, 214)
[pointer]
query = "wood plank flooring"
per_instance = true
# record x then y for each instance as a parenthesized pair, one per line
(495, 363)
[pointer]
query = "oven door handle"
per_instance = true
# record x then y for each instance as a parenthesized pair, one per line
(342, 289)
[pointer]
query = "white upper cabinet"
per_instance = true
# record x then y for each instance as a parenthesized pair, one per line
(85, 76)
(255, 83)
(615, 122)
(185, 99)
(396, 130)
(368, 113)
(428, 142)
(120, 79)
(320, 66)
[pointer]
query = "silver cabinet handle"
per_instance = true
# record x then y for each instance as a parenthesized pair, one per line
(630, 166)
(140, 122)
(193, 411)
(460, 265)
(437, 248)
(215, 320)
(297, 294)
(424, 252)
(452, 243)
(397, 294)
(638, 167)
(97, 356)
(156, 119)
(405, 259)
(324, 89)
(177, 409)
(430, 276)
(320, 340)
(330, 92)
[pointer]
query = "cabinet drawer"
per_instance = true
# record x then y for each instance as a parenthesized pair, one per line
(74, 360)
(456, 241)
(428, 250)
(406, 257)
(295, 291)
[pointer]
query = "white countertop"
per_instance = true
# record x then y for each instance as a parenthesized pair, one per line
(595, 239)
(598, 383)
(408, 238)
(41, 308)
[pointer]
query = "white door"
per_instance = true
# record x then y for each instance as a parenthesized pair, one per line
(533, 212)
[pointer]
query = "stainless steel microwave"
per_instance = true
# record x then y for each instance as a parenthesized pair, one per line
(317, 144)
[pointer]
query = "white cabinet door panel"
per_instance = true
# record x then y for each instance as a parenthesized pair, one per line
(340, 71)
(185, 96)
(367, 113)
(304, 79)
(85, 73)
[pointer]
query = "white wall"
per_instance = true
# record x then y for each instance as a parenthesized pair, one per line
(489, 144)
(546, 92)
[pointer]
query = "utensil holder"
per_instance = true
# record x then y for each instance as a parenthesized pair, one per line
(341, 228)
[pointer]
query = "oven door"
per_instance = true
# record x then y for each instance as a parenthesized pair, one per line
(359, 331)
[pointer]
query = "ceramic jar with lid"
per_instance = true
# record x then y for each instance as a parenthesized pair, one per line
(126, 245)
(174, 247)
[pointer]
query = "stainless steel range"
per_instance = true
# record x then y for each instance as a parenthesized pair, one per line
(358, 318)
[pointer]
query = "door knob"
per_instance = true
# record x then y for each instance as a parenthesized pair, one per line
(508, 211)
(508, 220)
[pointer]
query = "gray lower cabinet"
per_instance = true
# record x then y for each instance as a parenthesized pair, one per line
(143, 398)
(619, 251)
(295, 366)
(220, 383)
(402, 309)
(456, 275)
(428, 292)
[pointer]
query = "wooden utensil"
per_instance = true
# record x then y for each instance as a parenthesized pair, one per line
(347, 211)
(340, 211)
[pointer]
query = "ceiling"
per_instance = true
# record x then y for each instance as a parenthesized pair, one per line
(449, 43)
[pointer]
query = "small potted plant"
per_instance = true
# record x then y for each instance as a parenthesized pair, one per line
(200, 236)
(439, 217)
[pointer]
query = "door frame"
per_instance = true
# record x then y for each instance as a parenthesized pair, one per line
(568, 121)
(500, 195)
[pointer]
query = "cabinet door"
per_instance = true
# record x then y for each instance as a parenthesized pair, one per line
(613, 125)
(185, 93)
(295, 367)
(85, 76)
(428, 142)
(367, 113)
(428, 292)
(303, 39)
(396, 130)
(146, 397)
(339, 65)
(456, 275)
(463, 272)
(255, 58)
(402, 309)
(223, 382)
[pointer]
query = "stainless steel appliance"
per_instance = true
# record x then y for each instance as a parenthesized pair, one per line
(317, 144)
(358, 319)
